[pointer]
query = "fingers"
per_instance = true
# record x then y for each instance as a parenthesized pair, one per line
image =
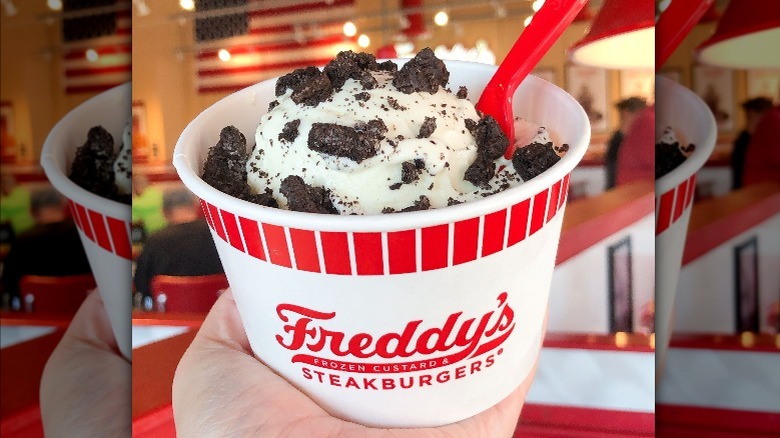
(223, 326)
(85, 386)
(221, 389)
(90, 327)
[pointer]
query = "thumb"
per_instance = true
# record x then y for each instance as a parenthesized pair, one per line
(218, 377)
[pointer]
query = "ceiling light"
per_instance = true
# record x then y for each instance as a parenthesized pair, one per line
(143, 9)
(537, 4)
(746, 33)
(315, 31)
(92, 55)
(10, 8)
(349, 29)
(622, 36)
(224, 55)
(54, 5)
(298, 34)
(528, 20)
(187, 5)
(441, 18)
(364, 41)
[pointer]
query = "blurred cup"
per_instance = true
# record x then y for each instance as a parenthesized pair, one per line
(409, 319)
(692, 121)
(104, 224)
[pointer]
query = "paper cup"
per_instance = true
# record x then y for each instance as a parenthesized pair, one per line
(400, 320)
(692, 120)
(104, 225)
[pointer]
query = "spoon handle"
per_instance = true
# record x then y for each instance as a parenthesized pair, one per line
(546, 27)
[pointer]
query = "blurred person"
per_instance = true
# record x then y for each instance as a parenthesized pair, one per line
(755, 109)
(183, 248)
(50, 248)
(221, 389)
(147, 204)
(762, 159)
(85, 387)
(636, 156)
(627, 109)
(15, 205)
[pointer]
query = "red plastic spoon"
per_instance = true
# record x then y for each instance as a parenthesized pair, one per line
(547, 26)
(674, 23)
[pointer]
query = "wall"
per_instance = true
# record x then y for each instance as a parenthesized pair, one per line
(705, 301)
(31, 81)
(588, 180)
(682, 60)
(579, 299)
(165, 83)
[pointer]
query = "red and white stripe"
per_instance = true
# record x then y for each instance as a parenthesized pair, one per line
(388, 253)
(109, 233)
(670, 205)
(269, 50)
(113, 65)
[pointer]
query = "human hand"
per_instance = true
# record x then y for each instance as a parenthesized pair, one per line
(221, 390)
(85, 387)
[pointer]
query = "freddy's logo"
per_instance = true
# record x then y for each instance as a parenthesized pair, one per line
(459, 337)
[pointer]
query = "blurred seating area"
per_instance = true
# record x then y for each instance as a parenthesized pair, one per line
(195, 293)
(43, 266)
(176, 266)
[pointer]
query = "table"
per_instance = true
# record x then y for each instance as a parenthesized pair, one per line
(721, 385)
(17, 334)
(153, 368)
(149, 334)
(59, 320)
(21, 367)
(186, 319)
(28, 340)
(544, 414)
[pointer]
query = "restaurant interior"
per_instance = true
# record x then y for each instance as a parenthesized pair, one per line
(597, 367)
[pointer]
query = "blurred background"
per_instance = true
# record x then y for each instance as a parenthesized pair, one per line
(186, 55)
(599, 353)
(54, 55)
(179, 70)
(719, 376)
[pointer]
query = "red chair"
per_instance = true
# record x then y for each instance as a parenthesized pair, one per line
(63, 295)
(194, 294)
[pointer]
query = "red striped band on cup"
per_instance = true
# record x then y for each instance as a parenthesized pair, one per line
(109, 233)
(387, 253)
(670, 205)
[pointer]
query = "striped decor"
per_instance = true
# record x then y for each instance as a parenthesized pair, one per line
(394, 252)
(270, 38)
(109, 233)
(105, 27)
(670, 206)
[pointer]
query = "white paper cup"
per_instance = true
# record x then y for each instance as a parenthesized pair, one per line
(362, 313)
(692, 120)
(104, 225)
